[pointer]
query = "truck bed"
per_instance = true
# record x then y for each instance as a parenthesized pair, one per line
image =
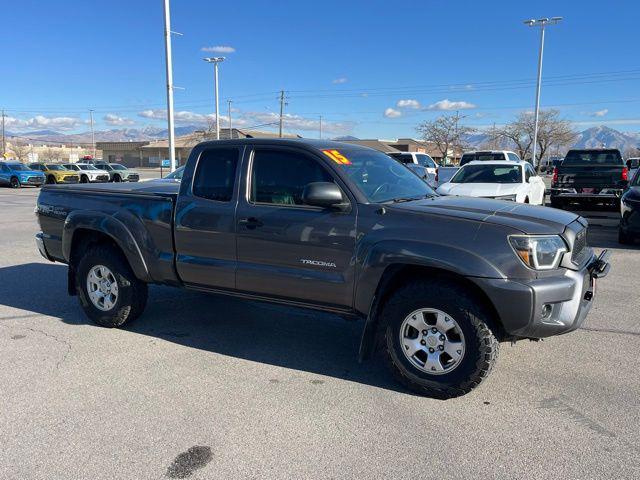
(138, 216)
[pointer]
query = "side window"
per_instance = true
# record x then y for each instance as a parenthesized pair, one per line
(529, 172)
(279, 177)
(216, 174)
(465, 159)
(514, 157)
(426, 161)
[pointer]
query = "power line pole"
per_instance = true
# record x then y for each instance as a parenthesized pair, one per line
(169, 67)
(93, 137)
(4, 145)
(542, 22)
(320, 127)
(282, 104)
(229, 113)
(216, 61)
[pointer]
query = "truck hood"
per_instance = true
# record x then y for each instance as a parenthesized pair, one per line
(525, 218)
(479, 189)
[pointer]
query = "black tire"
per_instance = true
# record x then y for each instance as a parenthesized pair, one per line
(14, 182)
(624, 238)
(132, 293)
(51, 180)
(117, 178)
(84, 179)
(481, 345)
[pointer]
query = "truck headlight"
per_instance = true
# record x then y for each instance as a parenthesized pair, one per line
(506, 197)
(539, 252)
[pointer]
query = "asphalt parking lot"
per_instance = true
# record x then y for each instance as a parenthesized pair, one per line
(207, 387)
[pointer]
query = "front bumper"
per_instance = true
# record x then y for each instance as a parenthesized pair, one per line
(546, 306)
(99, 178)
(68, 179)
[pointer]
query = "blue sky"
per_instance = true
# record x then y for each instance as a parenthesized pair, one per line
(371, 69)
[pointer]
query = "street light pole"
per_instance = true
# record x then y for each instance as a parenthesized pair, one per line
(93, 136)
(216, 61)
(541, 22)
(169, 65)
(230, 125)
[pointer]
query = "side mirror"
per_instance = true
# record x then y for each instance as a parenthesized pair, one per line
(323, 194)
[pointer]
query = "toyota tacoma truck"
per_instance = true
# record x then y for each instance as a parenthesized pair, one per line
(589, 176)
(438, 282)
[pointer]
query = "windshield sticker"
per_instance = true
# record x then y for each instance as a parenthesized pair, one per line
(337, 157)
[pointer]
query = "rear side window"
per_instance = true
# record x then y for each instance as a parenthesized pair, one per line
(279, 177)
(216, 174)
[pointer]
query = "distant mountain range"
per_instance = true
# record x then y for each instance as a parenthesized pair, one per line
(593, 137)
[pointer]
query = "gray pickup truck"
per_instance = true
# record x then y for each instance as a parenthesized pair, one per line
(438, 282)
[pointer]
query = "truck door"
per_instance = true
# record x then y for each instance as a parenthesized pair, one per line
(287, 249)
(205, 219)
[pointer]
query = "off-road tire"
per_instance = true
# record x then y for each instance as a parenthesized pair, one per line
(132, 293)
(481, 345)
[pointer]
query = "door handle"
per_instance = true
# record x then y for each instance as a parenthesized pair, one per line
(251, 222)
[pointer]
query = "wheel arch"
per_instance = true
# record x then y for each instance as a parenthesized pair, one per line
(396, 275)
(90, 228)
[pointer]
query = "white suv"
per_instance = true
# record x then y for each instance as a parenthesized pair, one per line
(491, 155)
(88, 173)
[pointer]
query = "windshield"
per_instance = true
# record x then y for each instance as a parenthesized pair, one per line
(379, 177)
(18, 167)
(593, 157)
(177, 175)
(116, 166)
(86, 166)
(55, 167)
(488, 174)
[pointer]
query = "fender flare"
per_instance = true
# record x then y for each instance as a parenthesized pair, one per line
(111, 227)
(388, 253)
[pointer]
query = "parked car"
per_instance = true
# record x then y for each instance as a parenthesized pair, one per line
(16, 175)
(175, 176)
(118, 172)
(444, 174)
(488, 156)
(589, 176)
(421, 163)
(502, 180)
(437, 281)
(88, 173)
(55, 173)
(629, 228)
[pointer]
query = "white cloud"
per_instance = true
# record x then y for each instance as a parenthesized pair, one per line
(446, 104)
(218, 49)
(249, 119)
(600, 113)
(392, 113)
(408, 103)
(340, 80)
(42, 122)
(116, 121)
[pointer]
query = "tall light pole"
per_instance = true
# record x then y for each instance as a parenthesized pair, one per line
(321, 127)
(93, 136)
(216, 61)
(230, 125)
(542, 23)
(169, 64)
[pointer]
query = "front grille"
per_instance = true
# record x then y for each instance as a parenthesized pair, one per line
(133, 177)
(71, 179)
(102, 178)
(35, 180)
(579, 247)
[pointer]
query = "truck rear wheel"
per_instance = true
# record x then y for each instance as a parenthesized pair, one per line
(109, 292)
(437, 339)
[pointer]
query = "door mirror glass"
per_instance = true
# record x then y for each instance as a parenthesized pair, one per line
(323, 194)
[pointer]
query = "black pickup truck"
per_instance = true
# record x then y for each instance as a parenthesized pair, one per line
(589, 177)
(437, 281)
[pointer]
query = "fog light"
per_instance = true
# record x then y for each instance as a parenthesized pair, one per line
(546, 310)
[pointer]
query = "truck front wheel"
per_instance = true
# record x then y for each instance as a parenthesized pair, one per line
(109, 292)
(437, 338)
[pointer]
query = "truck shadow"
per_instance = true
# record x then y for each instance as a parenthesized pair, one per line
(277, 335)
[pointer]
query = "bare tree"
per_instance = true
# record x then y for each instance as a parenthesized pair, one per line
(445, 133)
(631, 152)
(20, 150)
(552, 131)
(50, 154)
